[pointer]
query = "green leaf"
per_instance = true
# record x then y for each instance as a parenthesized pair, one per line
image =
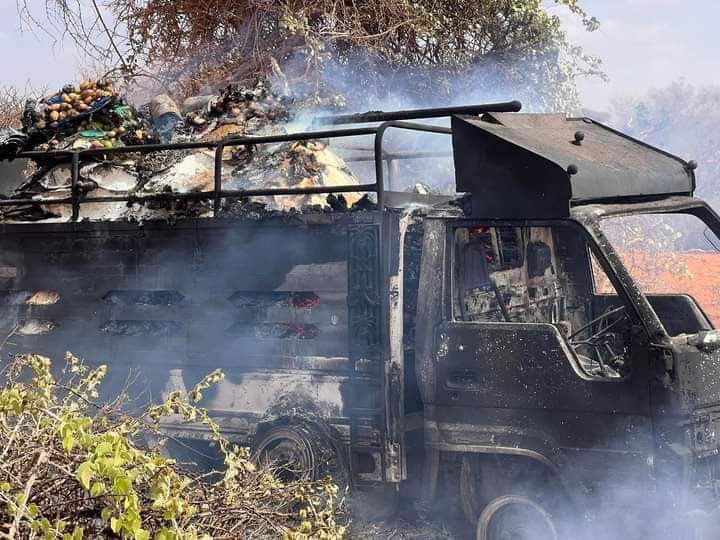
(141, 534)
(122, 485)
(68, 440)
(164, 534)
(103, 449)
(85, 473)
(105, 514)
(97, 489)
(33, 510)
(115, 524)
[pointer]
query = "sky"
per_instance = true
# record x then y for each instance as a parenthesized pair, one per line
(647, 44)
(643, 43)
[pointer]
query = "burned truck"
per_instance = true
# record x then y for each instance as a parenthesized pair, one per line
(493, 341)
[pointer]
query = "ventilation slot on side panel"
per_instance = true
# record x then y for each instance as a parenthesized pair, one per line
(144, 298)
(256, 300)
(141, 328)
(275, 330)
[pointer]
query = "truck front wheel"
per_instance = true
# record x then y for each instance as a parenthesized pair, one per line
(514, 517)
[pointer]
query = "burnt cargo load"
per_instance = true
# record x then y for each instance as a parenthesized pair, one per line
(495, 346)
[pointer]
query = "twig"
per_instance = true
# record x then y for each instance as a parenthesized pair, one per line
(28, 486)
(110, 36)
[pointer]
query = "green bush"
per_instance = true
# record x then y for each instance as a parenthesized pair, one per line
(71, 468)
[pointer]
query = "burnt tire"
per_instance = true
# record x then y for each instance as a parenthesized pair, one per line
(300, 452)
(514, 517)
(290, 451)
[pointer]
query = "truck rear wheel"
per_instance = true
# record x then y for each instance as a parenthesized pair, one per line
(514, 517)
(302, 451)
(291, 451)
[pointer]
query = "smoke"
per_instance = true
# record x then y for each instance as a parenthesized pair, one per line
(680, 118)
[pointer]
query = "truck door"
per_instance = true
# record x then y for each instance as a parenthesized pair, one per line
(539, 354)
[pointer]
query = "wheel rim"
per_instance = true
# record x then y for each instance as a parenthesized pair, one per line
(515, 518)
(289, 454)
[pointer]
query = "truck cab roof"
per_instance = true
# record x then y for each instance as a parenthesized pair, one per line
(539, 165)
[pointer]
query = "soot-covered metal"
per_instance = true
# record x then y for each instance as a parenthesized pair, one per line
(464, 354)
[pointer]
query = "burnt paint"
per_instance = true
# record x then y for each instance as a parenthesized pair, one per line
(114, 279)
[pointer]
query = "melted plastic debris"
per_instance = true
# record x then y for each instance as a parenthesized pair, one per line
(36, 327)
(194, 173)
(236, 111)
(43, 298)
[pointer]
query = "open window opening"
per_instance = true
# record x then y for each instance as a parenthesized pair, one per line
(543, 275)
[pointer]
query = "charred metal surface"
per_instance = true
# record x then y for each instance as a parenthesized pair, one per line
(477, 327)
(262, 299)
(267, 300)
(365, 326)
(416, 114)
(528, 165)
(275, 330)
(141, 328)
(145, 298)
(364, 305)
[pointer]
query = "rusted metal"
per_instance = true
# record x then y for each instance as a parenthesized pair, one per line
(338, 326)
(532, 165)
(416, 114)
(74, 191)
(199, 196)
(217, 180)
(378, 146)
(218, 194)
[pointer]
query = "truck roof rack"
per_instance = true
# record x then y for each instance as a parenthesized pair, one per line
(416, 114)
(539, 165)
(389, 120)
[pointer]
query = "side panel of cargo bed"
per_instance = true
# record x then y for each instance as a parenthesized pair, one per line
(290, 312)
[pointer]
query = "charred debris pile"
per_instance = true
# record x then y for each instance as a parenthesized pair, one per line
(94, 116)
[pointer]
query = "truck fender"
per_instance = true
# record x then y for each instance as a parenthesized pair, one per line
(487, 475)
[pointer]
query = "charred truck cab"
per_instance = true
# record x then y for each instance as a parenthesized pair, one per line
(543, 367)
(498, 343)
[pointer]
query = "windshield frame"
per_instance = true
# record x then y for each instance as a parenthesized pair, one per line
(591, 216)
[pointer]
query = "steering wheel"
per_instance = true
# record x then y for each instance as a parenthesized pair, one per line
(601, 340)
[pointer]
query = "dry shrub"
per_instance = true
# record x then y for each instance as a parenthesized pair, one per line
(72, 469)
(12, 101)
(196, 45)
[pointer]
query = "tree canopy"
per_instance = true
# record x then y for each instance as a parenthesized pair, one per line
(437, 49)
(682, 119)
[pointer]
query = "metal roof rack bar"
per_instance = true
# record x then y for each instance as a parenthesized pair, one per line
(416, 114)
(77, 199)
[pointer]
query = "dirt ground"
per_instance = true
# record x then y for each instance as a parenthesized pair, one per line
(410, 521)
(410, 527)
